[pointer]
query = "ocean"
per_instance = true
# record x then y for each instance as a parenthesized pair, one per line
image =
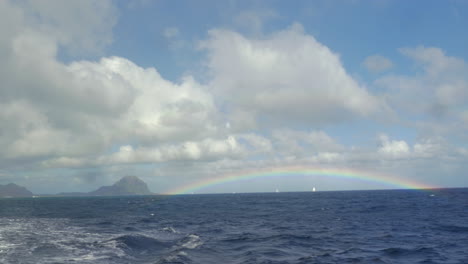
(390, 226)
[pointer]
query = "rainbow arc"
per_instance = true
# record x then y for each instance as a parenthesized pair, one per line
(344, 173)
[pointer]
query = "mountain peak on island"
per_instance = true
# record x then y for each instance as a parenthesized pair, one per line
(129, 180)
(13, 190)
(128, 185)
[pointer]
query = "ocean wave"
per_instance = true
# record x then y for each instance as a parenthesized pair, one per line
(251, 237)
(170, 230)
(453, 228)
(139, 243)
(405, 252)
(191, 242)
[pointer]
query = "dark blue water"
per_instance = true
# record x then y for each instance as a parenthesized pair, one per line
(321, 227)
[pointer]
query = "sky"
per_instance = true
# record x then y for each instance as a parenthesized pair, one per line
(180, 92)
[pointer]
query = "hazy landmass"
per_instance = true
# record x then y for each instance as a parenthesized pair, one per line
(13, 190)
(128, 185)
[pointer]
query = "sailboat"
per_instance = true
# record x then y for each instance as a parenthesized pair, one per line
(313, 189)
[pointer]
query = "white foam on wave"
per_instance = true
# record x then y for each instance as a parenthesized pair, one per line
(29, 237)
(175, 257)
(192, 242)
(59, 240)
(170, 229)
(11, 233)
(177, 253)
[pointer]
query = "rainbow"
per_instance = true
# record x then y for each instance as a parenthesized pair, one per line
(343, 173)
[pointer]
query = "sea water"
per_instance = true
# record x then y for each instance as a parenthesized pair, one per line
(393, 226)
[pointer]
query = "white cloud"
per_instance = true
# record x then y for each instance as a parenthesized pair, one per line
(285, 77)
(51, 109)
(433, 100)
(393, 148)
(80, 27)
(377, 63)
(423, 149)
(441, 88)
(300, 143)
(327, 159)
(435, 62)
(44, 105)
(431, 148)
(100, 103)
(256, 143)
(161, 110)
(205, 150)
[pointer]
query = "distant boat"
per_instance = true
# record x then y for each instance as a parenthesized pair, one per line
(277, 190)
(313, 189)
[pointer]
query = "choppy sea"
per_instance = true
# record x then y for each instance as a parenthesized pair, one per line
(392, 226)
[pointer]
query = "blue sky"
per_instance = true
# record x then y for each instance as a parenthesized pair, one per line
(175, 92)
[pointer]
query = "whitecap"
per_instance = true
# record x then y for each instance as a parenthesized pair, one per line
(191, 242)
(170, 229)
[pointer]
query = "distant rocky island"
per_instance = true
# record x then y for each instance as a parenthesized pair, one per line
(13, 190)
(128, 185)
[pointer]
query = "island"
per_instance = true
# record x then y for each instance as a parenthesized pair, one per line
(13, 190)
(128, 185)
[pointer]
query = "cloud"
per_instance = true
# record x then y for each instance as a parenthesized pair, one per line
(102, 103)
(43, 103)
(205, 150)
(283, 78)
(393, 148)
(161, 110)
(377, 63)
(284, 145)
(300, 143)
(441, 87)
(434, 98)
(81, 27)
(435, 62)
(423, 149)
(432, 148)
(67, 111)
(256, 143)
